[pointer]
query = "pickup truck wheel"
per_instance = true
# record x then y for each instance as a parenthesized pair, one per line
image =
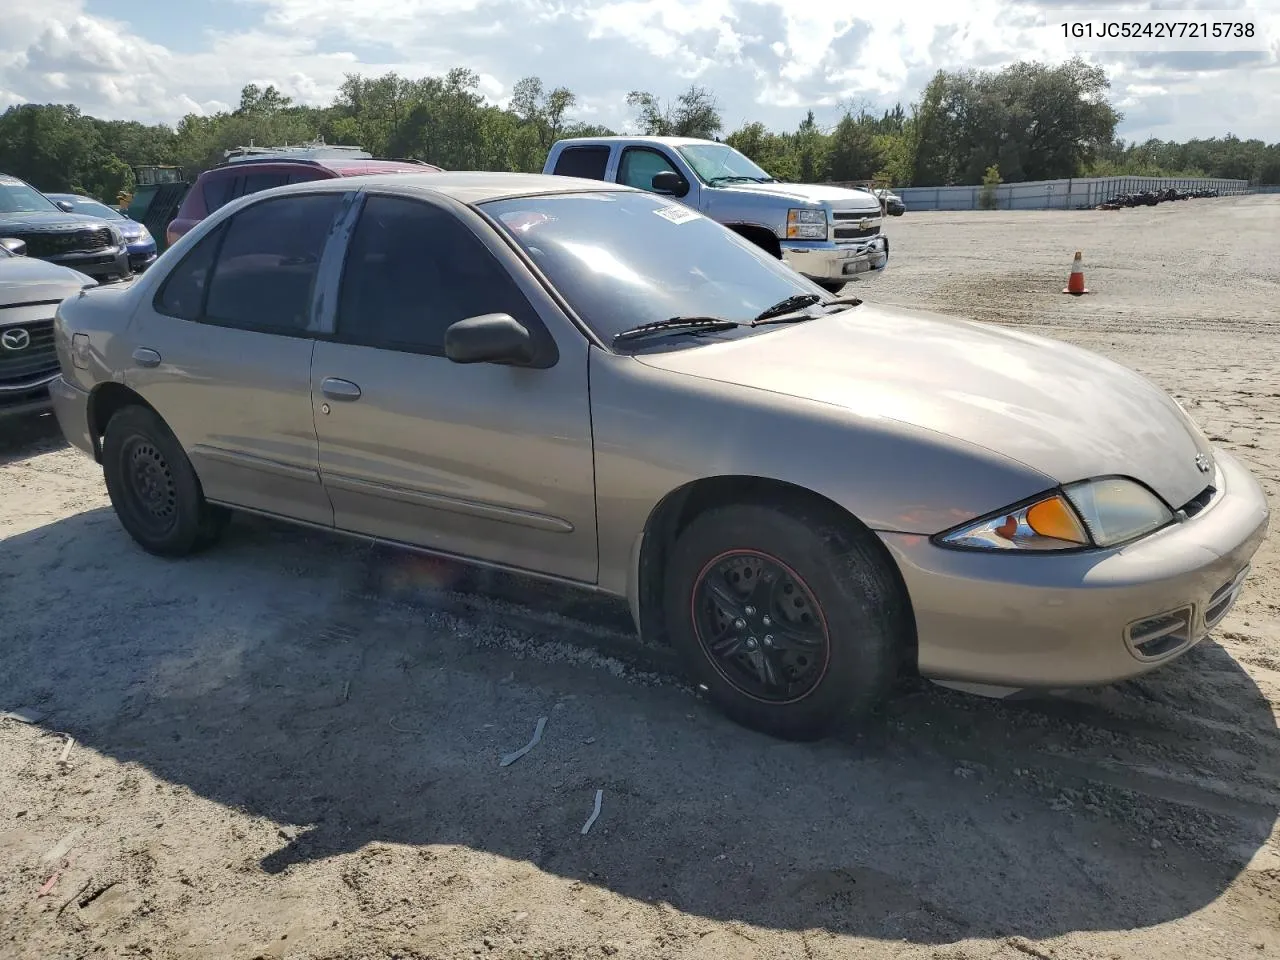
(153, 487)
(832, 286)
(793, 624)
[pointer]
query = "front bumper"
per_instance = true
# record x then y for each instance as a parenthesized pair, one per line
(827, 260)
(28, 399)
(1046, 621)
(102, 265)
(142, 255)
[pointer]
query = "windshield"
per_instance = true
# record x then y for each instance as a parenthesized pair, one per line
(718, 161)
(90, 208)
(623, 259)
(17, 197)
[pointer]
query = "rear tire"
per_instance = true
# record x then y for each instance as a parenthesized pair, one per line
(792, 621)
(153, 487)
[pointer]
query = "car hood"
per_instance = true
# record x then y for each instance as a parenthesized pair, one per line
(56, 220)
(1064, 411)
(26, 280)
(838, 198)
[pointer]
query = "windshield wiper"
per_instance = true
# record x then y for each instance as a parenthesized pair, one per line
(788, 311)
(732, 178)
(787, 305)
(675, 325)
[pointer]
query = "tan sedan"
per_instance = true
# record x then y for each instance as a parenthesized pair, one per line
(590, 383)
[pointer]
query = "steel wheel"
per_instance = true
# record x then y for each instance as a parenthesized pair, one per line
(153, 486)
(761, 626)
(151, 489)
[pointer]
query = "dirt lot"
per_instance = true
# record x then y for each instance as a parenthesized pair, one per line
(289, 747)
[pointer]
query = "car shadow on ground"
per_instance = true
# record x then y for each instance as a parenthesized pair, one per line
(28, 435)
(329, 686)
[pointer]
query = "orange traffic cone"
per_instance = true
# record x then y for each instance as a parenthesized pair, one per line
(1075, 283)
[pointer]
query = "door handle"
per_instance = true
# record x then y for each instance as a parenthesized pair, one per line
(336, 389)
(146, 357)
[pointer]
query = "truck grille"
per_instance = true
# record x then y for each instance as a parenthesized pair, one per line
(53, 244)
(847, 224)
(854, 233)
(33, 362)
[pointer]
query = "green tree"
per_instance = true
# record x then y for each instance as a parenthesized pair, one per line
(990, 180)
(695, 113)
(854, 153)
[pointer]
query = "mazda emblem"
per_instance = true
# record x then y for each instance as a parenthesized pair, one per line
(15, 339)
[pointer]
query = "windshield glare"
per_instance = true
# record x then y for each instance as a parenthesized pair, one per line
(712, 161)
(17, 197)
(624, 259)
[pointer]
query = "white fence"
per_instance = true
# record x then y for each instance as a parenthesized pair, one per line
(1081, 193)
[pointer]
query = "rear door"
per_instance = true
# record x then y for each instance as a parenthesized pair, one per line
(590, 161)
(223, 352)
(481, 460)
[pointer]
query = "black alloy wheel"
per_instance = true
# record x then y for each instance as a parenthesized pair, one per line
(761, 626)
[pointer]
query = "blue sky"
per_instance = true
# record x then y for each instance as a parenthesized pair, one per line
(156, 60)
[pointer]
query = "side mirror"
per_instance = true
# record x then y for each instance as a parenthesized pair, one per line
(66, 206)
(488, 338)
(670, 182)
(15, 246)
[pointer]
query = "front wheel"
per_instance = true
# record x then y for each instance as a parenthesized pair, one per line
(832, 286)
(153, 487)
(792, 621)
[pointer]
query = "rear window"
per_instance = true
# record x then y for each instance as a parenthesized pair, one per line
(587, 162)
(265, 180)
(219, 191)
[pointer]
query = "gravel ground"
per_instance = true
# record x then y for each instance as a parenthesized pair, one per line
(290, 746)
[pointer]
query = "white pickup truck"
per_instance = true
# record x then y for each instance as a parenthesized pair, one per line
(830, 234)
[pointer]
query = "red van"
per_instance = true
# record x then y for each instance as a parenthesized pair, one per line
(237, 178)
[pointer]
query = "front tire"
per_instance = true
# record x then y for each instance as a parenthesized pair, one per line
(832, 286)
(153, 487)
(793, 621)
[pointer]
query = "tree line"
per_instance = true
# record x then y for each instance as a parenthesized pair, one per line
(1028, 121)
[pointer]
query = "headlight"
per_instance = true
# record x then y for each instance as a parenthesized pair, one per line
(1093, 513)
(803, 224)
(1115, 510)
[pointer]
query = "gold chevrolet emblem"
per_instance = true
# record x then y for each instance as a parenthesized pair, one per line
(864, 223)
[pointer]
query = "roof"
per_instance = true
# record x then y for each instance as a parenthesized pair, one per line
(342, 166)
(641, 138)
(471, 186)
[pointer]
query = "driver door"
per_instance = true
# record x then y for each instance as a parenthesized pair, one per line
(638, 165)
(486, 461)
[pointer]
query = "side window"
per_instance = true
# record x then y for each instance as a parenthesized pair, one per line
(588, 162)
(182, 294)
(220, 190)
(412, 271)
(638, 166)
(267, 266)
(253, 182)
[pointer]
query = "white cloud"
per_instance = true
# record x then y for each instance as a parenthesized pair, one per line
(765, 59)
